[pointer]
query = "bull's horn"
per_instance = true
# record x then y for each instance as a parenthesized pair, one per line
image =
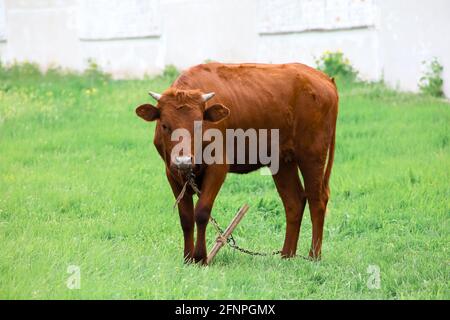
(207, 96)
(155, 95)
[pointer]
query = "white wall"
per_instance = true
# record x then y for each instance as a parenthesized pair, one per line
(359, 45)
(41, 31)
(129, 38)
(124, 37)
(411, 31)
(303, 30)
(197, 30)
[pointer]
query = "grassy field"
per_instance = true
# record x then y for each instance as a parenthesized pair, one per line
(81, 184)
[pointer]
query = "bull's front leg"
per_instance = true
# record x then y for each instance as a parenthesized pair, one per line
(186, 212)
(212, 182)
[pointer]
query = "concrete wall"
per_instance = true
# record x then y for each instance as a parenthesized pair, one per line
(41, 31)
(382, 38)
(411, 31)
(196, 30)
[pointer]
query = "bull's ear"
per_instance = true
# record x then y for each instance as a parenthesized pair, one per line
(147, 112)
(216, 113)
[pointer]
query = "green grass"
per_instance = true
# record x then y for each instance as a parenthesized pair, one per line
(81, 184)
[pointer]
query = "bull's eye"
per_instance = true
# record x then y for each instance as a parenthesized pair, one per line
(165, 128)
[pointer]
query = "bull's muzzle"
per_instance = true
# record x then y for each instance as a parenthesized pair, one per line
(183, 163)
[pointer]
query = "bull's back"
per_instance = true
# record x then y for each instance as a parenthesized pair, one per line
(260, 95)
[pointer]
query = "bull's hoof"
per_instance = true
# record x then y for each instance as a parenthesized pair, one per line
(188, 257)
(188, 260)
(314, 256)
(201, 260)
(287, 255)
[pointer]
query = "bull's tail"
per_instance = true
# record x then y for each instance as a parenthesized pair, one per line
(326, 176)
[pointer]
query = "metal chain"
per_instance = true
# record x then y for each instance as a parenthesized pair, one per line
(230, 240)
(190, 179)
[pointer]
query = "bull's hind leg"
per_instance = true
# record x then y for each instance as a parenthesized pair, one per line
(312, 171)
(293, 197)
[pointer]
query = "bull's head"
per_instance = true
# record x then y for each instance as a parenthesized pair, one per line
(180, 109)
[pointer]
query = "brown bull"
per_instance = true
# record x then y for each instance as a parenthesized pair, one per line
(299, 101)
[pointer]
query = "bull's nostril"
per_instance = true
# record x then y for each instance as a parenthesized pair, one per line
(183, 162)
